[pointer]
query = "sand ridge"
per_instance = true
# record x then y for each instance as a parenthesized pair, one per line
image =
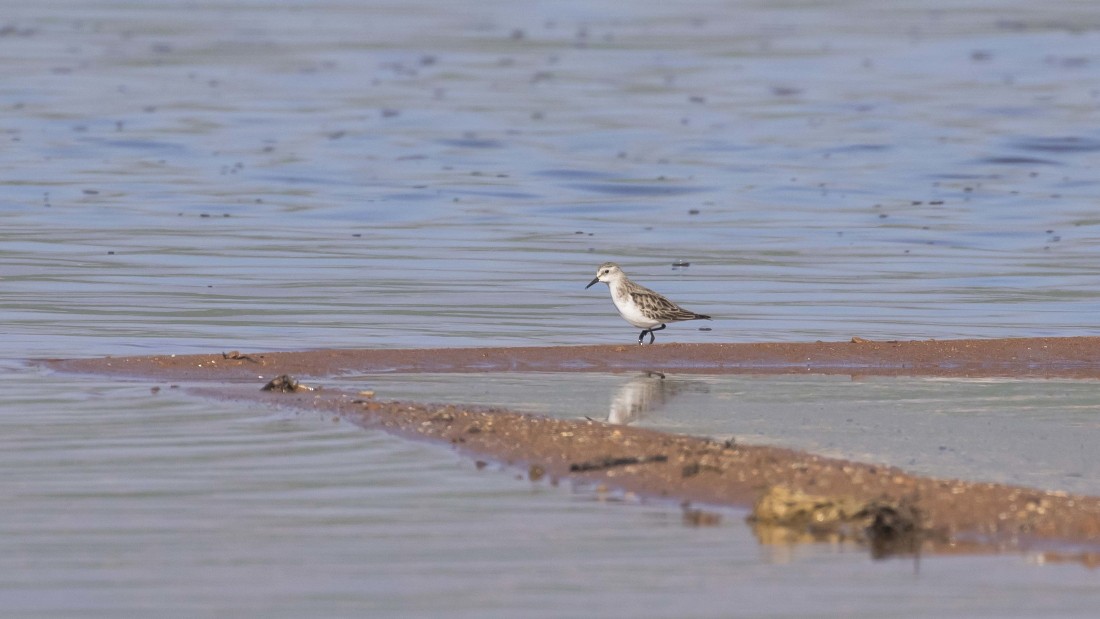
(953, 514)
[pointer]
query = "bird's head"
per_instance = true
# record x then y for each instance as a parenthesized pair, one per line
(607, 273)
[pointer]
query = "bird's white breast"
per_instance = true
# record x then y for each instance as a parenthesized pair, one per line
(630, 310)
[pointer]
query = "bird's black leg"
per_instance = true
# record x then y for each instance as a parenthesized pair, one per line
(650, 331)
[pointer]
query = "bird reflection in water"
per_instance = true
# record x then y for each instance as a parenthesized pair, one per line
(643, 394)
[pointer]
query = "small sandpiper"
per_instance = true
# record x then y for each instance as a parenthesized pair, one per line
(639, 305)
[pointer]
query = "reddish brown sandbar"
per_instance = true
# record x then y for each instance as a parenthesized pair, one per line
(1069, 357)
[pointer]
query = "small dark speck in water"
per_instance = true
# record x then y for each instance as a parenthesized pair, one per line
(357, 235)
(110, 253)
(705, 329)
(1069, 62)
(680, 264)
(693, 211)
(91, 192)
(701, 518)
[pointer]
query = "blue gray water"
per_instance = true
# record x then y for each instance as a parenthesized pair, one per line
(182, 177)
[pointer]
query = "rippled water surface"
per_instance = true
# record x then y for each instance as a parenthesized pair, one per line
(257, 175)
(189, 177)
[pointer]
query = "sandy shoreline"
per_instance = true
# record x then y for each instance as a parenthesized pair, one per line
(1071, 357)
(954, 514)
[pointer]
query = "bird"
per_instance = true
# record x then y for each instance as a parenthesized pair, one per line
(638, 305)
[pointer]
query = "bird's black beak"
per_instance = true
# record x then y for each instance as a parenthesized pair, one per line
(591, 283)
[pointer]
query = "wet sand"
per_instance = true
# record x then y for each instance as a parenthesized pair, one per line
(1070, 357)
(951, 514)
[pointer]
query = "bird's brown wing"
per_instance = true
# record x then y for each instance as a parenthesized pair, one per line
(661, 308)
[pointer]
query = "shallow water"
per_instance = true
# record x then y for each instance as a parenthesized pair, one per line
(257, 176)
(253, 176)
